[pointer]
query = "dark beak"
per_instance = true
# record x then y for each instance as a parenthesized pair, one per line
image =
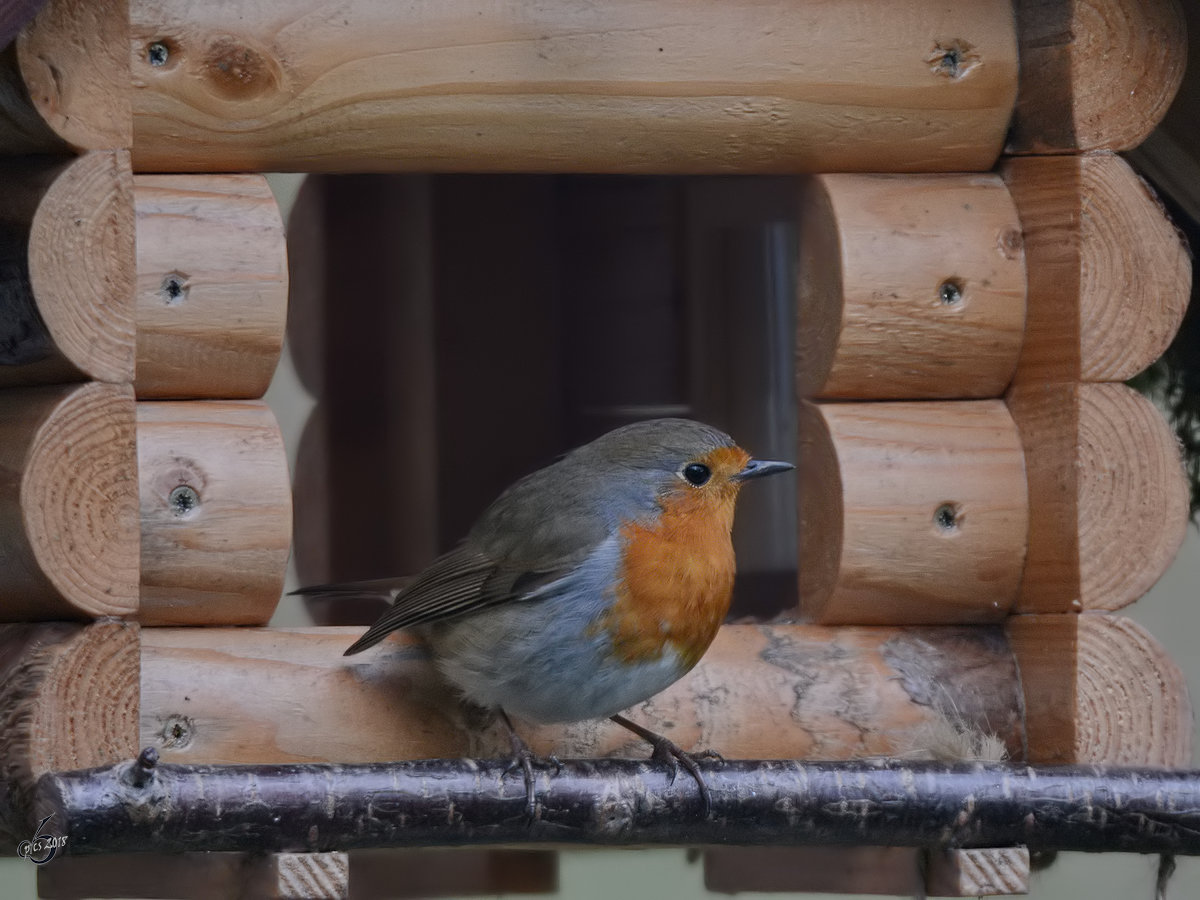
(760, 468)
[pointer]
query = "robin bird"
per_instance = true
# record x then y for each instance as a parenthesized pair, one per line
(587, 586)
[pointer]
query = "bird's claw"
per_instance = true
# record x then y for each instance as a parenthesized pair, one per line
(523, 758)
(673, 756)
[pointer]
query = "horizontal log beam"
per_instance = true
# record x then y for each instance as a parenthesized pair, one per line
(760, 691)
(139, 806)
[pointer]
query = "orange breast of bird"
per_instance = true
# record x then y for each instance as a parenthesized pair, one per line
(677, 572)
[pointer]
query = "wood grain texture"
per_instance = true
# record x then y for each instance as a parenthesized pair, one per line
(999, 871)
(67, 273)
(1095, 74)
(66, 80)
(218, 554)
(827, 693)
(68, 502)
(630, 86)
(909, 287)
(910, 512)
(1133, 496)
(1108, 496)
(1109, 275)
(1099, 689)
(298, 876)
(212, 286)
(1169, 156)
(68, 700)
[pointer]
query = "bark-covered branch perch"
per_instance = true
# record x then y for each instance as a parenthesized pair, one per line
(135, 807)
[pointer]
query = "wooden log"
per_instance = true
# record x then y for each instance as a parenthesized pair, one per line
(1095, 74)
(992, 871)
(1099, 689)
(64, 82)
(1169, 156)
(1109, 275)
(298, 876)
(68, 502)
(910, 512)
(1108, 496)
(632, 86)
(67, 258)
(211, 286)
(68, 700)
(827, 693)
(621, 802)
(198, 876)
(216, 512)
(909, 287)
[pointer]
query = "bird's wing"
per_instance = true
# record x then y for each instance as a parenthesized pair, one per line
(458, 582)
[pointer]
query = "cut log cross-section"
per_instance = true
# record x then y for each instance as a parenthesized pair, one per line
(69, 532)
(68, 700)
(67, 258)
(175, 512)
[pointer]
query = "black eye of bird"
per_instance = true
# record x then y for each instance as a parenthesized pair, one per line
(696, 473)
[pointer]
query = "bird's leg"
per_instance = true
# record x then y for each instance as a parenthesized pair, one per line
(523, 757)
(670, 753)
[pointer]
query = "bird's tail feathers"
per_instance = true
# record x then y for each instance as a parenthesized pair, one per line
(375, 589)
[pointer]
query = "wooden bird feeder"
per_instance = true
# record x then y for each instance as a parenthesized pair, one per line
(894, 242)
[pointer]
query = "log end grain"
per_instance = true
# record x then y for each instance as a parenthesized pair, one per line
(1096, 74)
(70, 529)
